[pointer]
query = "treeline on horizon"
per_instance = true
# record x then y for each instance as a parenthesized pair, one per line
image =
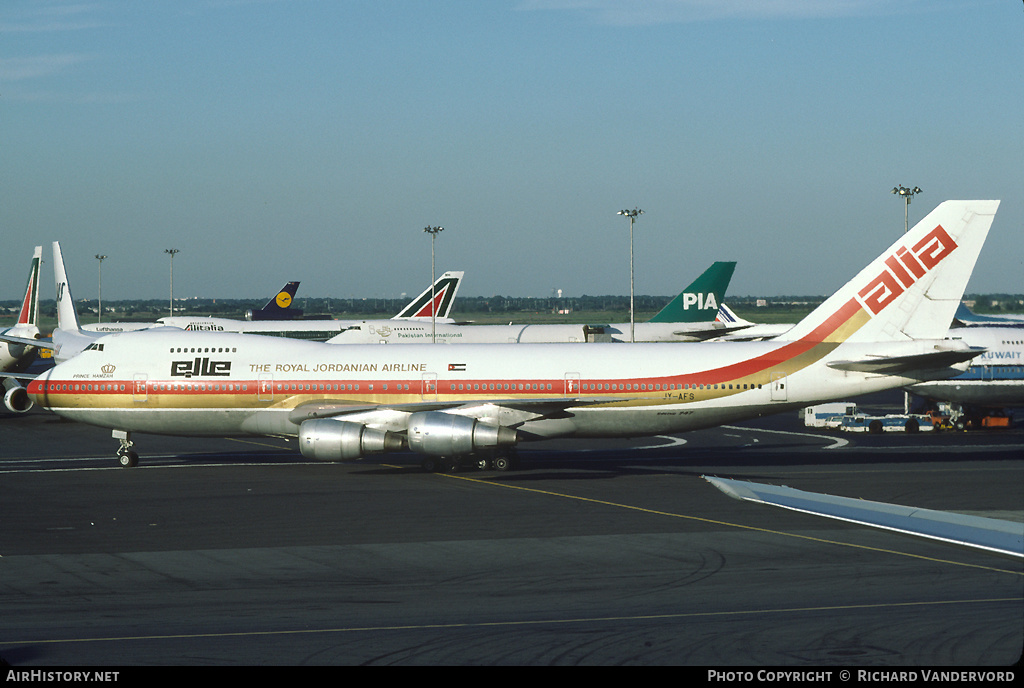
(467, 305)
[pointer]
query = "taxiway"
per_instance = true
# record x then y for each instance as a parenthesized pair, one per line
(239, 552)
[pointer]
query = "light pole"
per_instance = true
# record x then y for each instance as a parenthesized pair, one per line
(100, 279)
(172, 251)
(907, 195)
(433, 232)
(632, 215)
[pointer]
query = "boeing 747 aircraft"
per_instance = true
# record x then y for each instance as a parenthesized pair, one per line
(883, 329)
(689, 317)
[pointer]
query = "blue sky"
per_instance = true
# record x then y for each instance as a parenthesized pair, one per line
(313, 140)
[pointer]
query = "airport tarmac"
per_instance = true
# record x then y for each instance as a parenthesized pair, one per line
(240, 552)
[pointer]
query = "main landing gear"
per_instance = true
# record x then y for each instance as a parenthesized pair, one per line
(126, 456)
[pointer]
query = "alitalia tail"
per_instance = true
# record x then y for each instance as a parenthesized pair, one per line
(19, 344)
(883, 329)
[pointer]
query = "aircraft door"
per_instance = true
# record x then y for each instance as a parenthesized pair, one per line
(778, 386)
(572, 384)
(429, 382)
(265, 387)
(140, 388)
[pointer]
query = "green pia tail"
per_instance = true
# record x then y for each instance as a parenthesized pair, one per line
(699, 302)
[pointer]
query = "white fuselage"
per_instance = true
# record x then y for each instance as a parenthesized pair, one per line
(312, 330)
(420, 332)
(173, 382)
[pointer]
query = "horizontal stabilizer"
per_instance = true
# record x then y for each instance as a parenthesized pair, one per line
(994, 535)
(17, 376)
(717, 329)
(894, 365)
(24, 341)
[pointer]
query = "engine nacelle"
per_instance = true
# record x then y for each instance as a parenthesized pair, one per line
(16, 399)
(328, 439)
(446, 434)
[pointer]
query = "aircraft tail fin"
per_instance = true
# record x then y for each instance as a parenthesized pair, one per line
(699, 302)
(67, 317)
(29, 314)
(436, 300)
(728, 318)
(911, 291)
(279, 307)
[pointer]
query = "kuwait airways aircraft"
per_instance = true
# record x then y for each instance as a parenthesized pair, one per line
(883, 329)
(994, 379)
(19, 343)
(690, 316)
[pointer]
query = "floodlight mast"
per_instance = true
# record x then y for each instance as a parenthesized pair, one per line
(172, 251)
(99, 311)
(632, 215)
(907, 195)
(433, 232)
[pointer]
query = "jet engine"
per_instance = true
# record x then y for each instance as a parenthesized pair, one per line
(16, 398)
(446, 434)
(328, 439)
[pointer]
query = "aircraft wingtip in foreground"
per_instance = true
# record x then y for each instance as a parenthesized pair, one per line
(881, 330)
(993, 535)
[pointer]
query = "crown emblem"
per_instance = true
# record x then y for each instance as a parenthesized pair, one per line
(108, 369)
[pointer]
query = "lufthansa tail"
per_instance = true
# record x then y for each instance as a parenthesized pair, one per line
(279, 307)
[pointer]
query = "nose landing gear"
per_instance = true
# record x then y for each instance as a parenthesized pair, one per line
(126, 456)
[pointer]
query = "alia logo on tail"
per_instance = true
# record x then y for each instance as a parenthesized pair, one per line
(905, 268)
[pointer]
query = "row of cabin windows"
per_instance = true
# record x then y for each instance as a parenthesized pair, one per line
(237, 387)
(609, 386)
(156, 387)
(82, 388)
(501, 386)
(202, 350)
(295, 387)
(664, 387)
